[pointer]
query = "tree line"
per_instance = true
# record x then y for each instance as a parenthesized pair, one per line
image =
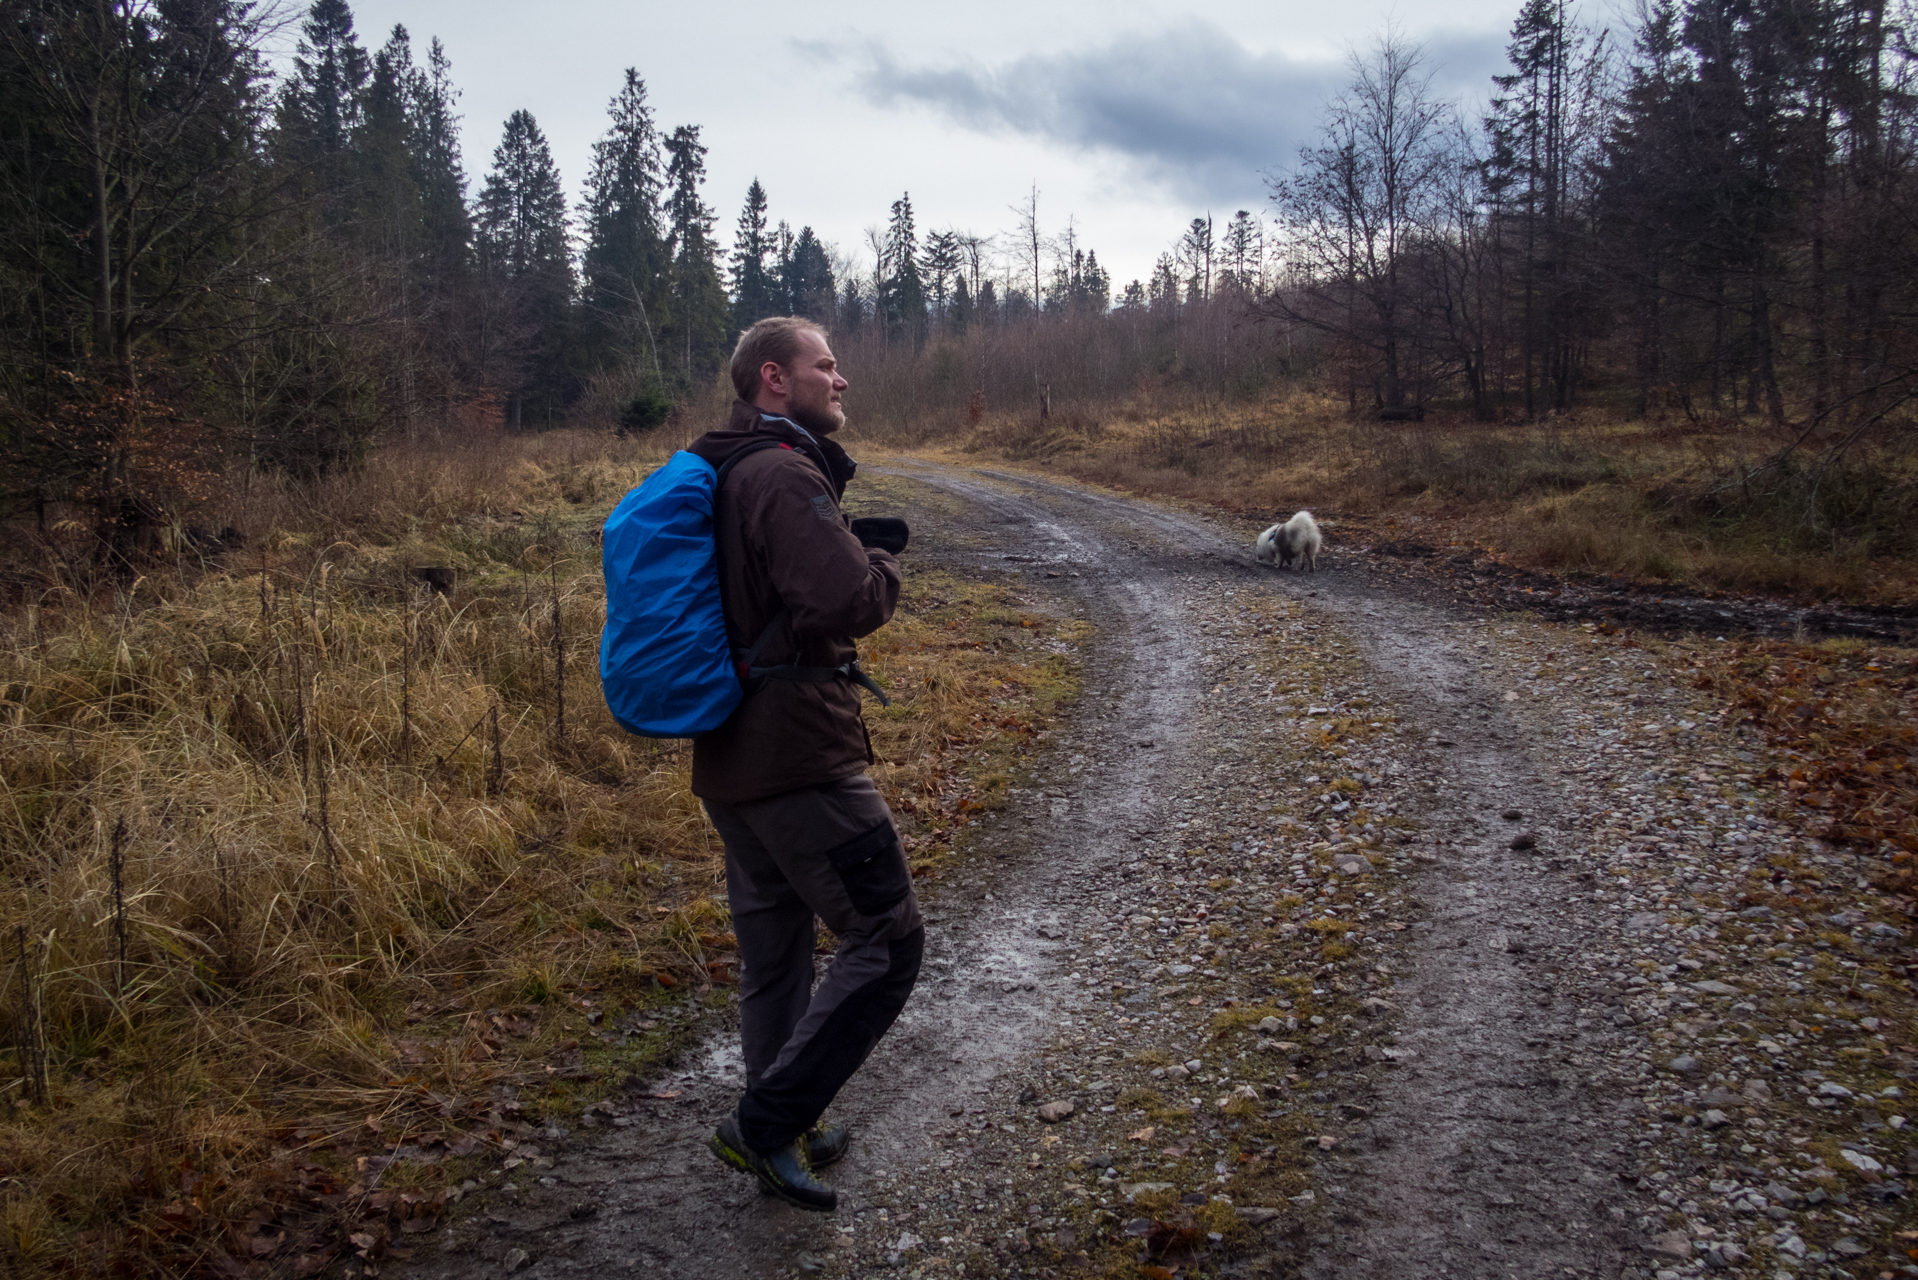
(1715, 222)
(203, 261)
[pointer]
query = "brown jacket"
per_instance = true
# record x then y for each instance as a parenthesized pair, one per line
(785, 544)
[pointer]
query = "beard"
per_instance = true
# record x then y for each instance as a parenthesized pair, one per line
(819, 416)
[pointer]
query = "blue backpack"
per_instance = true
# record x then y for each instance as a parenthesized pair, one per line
(666, 664)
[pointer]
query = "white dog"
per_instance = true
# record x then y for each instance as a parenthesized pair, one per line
(1296, 539)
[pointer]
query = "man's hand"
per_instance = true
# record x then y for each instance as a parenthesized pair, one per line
(888, 533)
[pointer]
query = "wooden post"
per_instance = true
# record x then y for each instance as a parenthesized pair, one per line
(116, 867)
(559, 664)
(406, 673)
(496, 776)
(33, 1045)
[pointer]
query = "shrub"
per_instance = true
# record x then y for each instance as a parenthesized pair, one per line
(647, 410)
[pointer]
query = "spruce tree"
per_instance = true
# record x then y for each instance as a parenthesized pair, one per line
(959, 316)
(320, 105)
(754, 292)
(388, 197)
(939, 264)
(446, 226)
(985, 307)
(1196, 248)
(902, 300)
(852, 307)
(1538, 130)
(1241, 251)
(627, 286)
(523, 251)
(697, 333)
(809, 280)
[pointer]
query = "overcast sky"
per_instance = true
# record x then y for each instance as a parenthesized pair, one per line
(1130, 116)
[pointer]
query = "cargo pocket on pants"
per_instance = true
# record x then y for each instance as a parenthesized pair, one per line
(873, 868)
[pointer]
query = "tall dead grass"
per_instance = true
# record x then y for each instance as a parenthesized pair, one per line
(1689, 505)
(365, 883)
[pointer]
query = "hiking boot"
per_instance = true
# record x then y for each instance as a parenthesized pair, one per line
(784, 1172)
(825, 1143)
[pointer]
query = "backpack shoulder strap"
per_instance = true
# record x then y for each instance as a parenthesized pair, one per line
(745, 451)
(725, 469)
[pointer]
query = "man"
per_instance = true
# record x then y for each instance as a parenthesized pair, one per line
(784, 779)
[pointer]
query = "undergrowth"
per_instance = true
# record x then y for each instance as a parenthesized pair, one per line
(322, 885)
(1701, 505)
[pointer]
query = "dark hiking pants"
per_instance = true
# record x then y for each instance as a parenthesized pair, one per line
(829, 852)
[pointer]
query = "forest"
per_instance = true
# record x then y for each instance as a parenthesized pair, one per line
(1708, 218)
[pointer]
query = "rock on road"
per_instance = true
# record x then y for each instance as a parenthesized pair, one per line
(1364, 935)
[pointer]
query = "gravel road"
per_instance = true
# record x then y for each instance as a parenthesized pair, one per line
(1360, 933)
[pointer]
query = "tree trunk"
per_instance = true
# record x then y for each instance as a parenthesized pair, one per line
(102, 240)
(1764, 367)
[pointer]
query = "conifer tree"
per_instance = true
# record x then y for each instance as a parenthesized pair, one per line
(524, 253)
(902, 300)
(698, 330)
(1195, 250)
(959, 316)
(1091, 285)
(852, 307)
(985, 306)
(625, 262)
(939, 263)
(755, 291)
(1242, 250)
(321, 102)
(388, 197)
(809, 279)
(1539, 129)
(446, 226)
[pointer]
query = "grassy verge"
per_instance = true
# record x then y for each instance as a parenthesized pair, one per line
(324, 886)
(1687, 504)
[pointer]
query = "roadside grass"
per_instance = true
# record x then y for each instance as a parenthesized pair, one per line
(1689, 504)
(323, 886)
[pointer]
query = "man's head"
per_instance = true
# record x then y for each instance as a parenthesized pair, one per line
(782, 365)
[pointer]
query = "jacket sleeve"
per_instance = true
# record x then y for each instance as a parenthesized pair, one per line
(832, 585)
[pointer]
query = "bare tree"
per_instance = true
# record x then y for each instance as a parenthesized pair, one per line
(1369, 189)
(1029, 245)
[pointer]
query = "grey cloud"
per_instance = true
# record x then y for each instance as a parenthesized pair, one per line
(1193, 108)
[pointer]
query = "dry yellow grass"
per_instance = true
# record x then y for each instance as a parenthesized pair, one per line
(1582, 493)
(365, 884)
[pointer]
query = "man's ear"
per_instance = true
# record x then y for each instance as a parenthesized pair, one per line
(772, 377)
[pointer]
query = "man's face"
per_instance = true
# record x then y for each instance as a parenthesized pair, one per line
(813, 386)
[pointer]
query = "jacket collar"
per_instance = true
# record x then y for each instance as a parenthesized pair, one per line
(833, 462)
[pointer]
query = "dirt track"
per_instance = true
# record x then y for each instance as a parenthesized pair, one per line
(1258, 913)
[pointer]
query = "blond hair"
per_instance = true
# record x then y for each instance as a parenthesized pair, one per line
(772, 340)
